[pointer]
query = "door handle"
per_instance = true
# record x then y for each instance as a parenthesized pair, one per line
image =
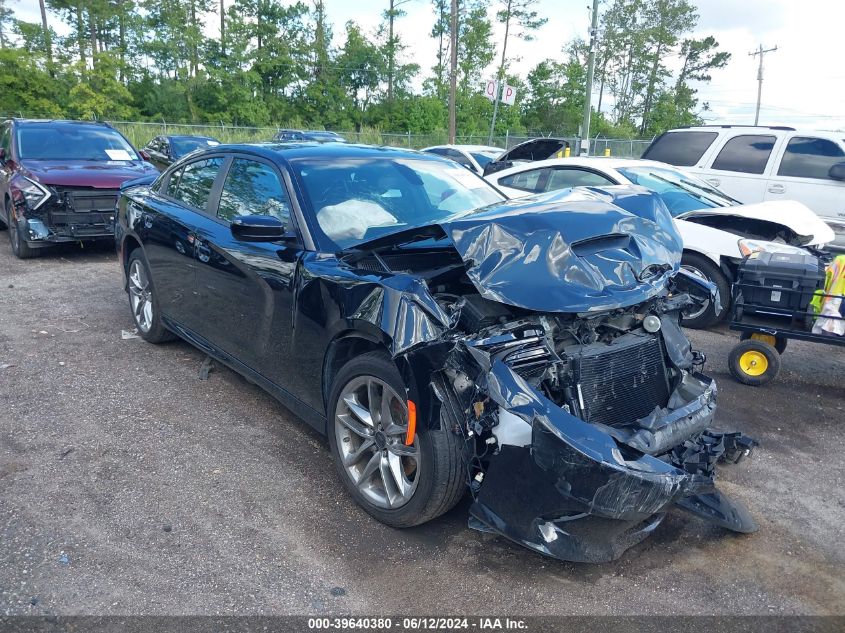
(776, 188)
(714, 181)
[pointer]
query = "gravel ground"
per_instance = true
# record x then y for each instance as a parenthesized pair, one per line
(128, 486)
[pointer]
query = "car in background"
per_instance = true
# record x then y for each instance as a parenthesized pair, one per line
(757, 164)
(321, 136)
(59, 181)
(474, 157)
(164, 150)
(536, 149)
(443, 337)
(717, 230)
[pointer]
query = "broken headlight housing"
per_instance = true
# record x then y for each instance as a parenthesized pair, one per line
(749, 246)
(33, 192)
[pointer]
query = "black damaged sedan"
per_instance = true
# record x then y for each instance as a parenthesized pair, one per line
(445, 339)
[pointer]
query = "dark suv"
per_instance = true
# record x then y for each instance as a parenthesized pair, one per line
(59, 181)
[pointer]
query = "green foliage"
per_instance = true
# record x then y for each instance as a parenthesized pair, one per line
(273, 64)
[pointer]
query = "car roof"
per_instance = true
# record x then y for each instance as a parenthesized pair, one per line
(751, 128)
(468, 148)
(189, 136)
(62, 122)
(594, 162)
(305, 149)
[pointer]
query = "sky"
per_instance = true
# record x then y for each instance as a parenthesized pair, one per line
(804, 85)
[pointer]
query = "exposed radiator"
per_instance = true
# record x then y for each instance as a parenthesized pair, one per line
(621, 382)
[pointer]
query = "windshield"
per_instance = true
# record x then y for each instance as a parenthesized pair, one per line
(680, 192)
(185, 145)
(72, 141)
(357, 200)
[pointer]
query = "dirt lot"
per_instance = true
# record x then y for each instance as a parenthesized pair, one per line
(129, 486)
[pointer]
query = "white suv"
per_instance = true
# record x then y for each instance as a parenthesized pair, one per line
(753, 164)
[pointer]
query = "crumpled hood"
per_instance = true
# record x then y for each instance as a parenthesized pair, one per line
(792, 214)
(577, 250)
(87, 173)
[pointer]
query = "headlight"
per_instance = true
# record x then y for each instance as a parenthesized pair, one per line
(33, 192)
(746, 247)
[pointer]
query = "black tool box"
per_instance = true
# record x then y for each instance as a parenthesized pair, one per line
(779, 283)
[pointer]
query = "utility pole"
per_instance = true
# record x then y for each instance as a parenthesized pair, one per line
(453, 69)
(500, 78)
(591, 67)
(760, 52)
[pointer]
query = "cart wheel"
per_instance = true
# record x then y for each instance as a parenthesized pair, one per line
(778, 342)
(754, 362)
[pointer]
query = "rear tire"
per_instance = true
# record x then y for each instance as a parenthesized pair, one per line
(143, 300)
(434, 459)
(702, 266)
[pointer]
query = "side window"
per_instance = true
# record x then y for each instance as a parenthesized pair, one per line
(195, 182)
(253, 188)
(683, 149)
(531, 180)
(808, 157)
(173, 183)
(747, 153)
(5, 139)
(437, 150)
(458, 157)
(563, 178)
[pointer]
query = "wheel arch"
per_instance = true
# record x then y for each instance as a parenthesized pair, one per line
(351, 343)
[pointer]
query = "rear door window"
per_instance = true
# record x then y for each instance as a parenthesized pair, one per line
(561, 178)
(683, 149)
(533, 180)
(253, 188)
(747, 153)
(810, 157)
(193, 186)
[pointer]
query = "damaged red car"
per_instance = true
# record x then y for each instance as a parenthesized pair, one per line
(59, 181)
(446, 340)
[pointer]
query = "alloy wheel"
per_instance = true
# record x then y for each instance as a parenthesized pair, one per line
(371, 424)
(140, 296)
(695, 313)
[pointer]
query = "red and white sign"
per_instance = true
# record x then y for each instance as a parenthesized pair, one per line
(491, 89)
(508, 95)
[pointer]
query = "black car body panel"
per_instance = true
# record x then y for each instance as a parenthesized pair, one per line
(544, 332)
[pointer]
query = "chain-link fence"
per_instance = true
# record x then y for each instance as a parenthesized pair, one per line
(140, 133)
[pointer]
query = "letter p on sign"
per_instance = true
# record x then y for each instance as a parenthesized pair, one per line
(508, 95)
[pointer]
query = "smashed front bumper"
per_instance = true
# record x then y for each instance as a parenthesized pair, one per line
(577, 493)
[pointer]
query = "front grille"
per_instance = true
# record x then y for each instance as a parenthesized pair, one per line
(622, 382)
(84, 200)
(84, 210)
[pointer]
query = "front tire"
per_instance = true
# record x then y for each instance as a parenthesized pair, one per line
(143, 300)
(20, 248)
(706, 315)
(399, 484)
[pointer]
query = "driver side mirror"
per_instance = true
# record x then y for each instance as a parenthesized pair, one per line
(837, 172)
(260, 228)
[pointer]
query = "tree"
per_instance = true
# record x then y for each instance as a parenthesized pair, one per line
(555, 96)
(393, 45)
(361, 66)
(668, 19)
(6, 21)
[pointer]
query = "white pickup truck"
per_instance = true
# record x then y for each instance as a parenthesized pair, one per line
(755, 164)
